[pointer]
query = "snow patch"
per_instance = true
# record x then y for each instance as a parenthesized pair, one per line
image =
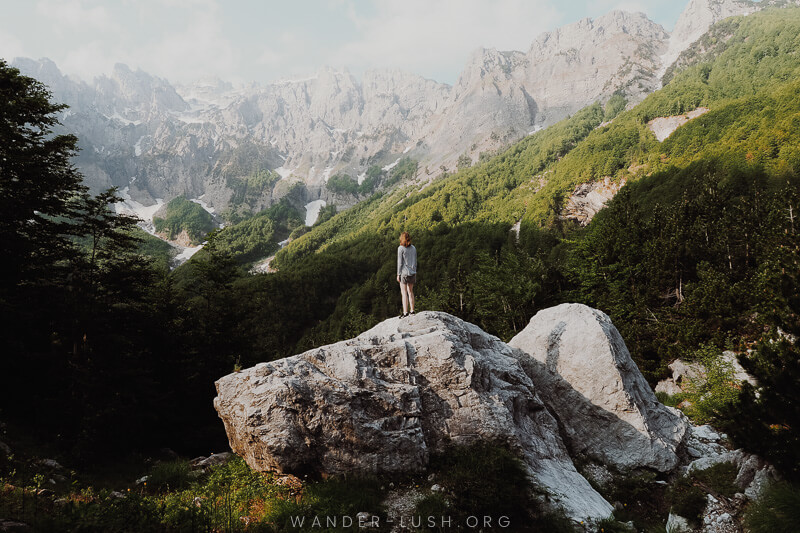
(187, 254)
(312, 211)
(137, 148)
(145, 213)
(120, 118)
(390, 167)
(362, 177)
(204, 205)
(190, 117)
(408, 148)
(284, 172)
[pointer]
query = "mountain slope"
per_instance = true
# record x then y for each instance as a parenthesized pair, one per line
(471, 266)
(138, 131)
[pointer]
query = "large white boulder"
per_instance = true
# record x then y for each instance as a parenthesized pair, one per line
(383, 401)
(584, 373)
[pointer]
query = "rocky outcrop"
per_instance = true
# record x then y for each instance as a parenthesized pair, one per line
(589, 198)
(693, 374)
(663, 127)
(584, 373)
(387, 399)
(697, 17)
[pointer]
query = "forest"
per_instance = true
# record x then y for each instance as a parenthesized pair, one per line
(112, 353)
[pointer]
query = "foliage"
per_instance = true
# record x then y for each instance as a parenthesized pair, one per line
(614, 106)
(481, 479)
(183, 215)
(719, 478)
(776, 511)
(171, 475)
(713, 393)
(687, 499)
(249, 189)
(342, 184)
(258, 236)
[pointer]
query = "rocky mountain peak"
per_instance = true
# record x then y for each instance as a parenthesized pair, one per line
(698, 16)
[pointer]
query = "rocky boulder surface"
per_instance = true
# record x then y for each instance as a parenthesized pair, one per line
(387, 399)
(584, 373)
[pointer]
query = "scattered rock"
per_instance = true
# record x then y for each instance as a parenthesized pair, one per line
(585, 374)
(684, 373)
(754, 473)
(589, 198)
(12, 526)
(215, 459)
(678, 524)
(383, 401)
(50, 463)
(598, 474)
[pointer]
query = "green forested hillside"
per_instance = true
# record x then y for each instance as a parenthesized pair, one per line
(184, 215)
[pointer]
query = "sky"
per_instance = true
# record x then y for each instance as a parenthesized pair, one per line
(265, 40)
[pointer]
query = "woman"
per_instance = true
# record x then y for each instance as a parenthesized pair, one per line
(406, 272)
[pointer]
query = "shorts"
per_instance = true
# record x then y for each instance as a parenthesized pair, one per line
(408, 279)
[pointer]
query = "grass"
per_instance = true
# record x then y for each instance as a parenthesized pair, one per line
(777, 511)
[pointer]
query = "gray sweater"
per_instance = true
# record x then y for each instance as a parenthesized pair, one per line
(406, 260)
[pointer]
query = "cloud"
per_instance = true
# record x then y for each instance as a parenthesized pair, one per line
(10, 47)
(74, 14)
(196, 49)
(435, 38)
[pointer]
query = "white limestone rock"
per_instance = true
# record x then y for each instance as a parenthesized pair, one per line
(585, 374)
(385, 400)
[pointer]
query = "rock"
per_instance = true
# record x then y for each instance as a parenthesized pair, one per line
(12, 526)
(436, 488)
(142, 480)
(214, 460)
(116, 495)
(385, 400)
(753, 475)
(5, 448)
(739, 373)
(50, 463)
(589, 198)
(677, 524)
(585, 374)
(682, 373)
(598, 474)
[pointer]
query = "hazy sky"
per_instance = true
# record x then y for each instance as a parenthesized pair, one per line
(265, 40)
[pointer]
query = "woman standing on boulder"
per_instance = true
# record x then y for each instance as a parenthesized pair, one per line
(406, 272)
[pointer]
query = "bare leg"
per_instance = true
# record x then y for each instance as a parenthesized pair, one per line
(404, 295)
(411, 296)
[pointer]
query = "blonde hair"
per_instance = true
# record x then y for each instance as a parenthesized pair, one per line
(405, 239)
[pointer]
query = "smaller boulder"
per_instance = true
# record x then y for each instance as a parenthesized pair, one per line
(584, 372)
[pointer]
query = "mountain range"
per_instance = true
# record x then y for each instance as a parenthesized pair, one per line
(156, 141)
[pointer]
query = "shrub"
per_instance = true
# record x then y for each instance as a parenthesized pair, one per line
(720, 478)
(777, 511)
(687, 500)
(172, 475)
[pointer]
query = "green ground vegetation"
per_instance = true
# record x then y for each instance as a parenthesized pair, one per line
(183, 215)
